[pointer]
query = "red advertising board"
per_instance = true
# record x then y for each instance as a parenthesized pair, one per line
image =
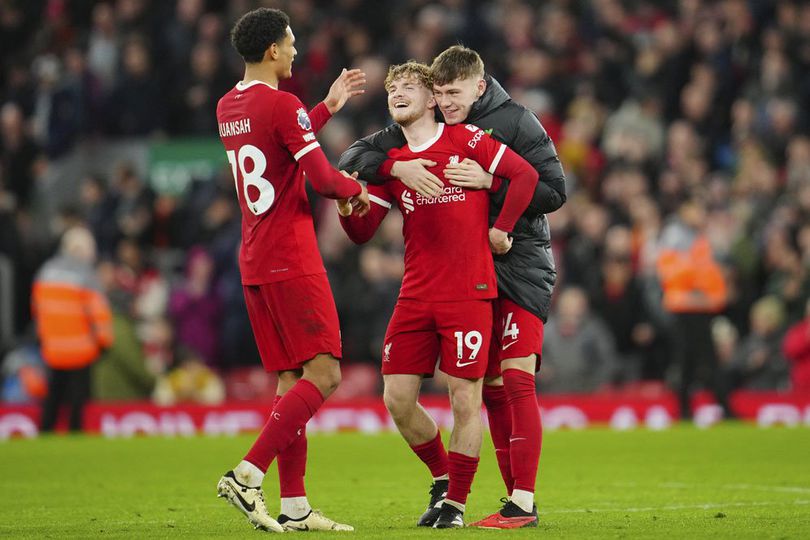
(369, 415)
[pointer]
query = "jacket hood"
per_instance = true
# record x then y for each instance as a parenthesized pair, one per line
(494, 96)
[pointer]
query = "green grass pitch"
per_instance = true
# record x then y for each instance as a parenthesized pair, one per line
(731, 481)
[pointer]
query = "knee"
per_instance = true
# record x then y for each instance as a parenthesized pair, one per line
(330, 381)
(398, 404)
(326, 376)
(466, 405)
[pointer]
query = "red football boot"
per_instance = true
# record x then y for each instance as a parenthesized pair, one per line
(511, 516)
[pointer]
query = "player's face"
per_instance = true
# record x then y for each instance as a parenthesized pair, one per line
(455, 99)
(286, 54)
(409, 100)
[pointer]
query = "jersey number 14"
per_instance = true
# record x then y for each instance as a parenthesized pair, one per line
(254, 177)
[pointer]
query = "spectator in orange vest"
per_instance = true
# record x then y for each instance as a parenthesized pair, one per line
(694, 291)
(74, 324)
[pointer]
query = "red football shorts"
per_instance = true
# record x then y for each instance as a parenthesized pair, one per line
(456, 333)
(293, 321)
(517, 333)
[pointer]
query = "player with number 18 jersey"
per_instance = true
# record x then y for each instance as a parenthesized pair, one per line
(270, 142)
(269, 139)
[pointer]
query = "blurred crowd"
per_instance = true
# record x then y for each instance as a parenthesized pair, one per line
(668, 116)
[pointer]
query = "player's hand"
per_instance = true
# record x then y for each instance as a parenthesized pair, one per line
(499, 241)
(360, 203)
(468, 174)
(344, 207)
(415, 175)
(348, 84)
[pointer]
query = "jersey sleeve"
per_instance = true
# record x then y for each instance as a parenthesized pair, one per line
(319, 115)
(497, 159)
(361, 229)
(479, 146)
(326, 180)
(293, 127)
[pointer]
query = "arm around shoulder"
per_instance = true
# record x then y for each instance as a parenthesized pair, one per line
(367, 155)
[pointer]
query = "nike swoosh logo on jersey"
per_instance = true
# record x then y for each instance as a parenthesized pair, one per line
(459, 363)
(509, 345)
(249, 507)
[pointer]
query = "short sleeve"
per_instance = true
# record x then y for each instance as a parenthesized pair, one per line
(292, 126)
(480, 146)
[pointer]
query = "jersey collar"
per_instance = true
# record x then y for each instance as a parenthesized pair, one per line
(427, 144)
(242, 86)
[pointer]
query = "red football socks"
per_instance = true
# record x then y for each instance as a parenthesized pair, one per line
(462, 471)
(291, 414)
(527, 429)
(500, 428)
(292, 465)
(433, 454)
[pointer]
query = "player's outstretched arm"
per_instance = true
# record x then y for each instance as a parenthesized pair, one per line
(367, 155)
(326, 180)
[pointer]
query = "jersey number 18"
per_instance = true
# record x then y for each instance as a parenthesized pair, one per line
(267, 193)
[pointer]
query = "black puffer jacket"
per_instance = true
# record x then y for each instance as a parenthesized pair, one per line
(526, 274)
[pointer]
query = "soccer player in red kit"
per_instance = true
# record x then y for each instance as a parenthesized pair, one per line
(444, 308)
(526, 274)
(270, 142)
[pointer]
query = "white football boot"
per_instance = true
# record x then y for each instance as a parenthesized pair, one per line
(249, 501)
(314, 521)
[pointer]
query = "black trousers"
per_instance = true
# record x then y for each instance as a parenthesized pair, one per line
(696, 359)
(71, 386)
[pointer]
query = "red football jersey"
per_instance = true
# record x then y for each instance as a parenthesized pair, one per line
(265, 132)
(447, 253)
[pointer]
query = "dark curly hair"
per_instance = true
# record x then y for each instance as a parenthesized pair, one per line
(253, 34)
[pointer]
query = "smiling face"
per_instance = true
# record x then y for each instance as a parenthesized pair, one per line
(456, 98)
(409, 95)
(408, 100)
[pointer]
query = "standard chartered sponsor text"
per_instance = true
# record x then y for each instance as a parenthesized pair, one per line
(449, 194)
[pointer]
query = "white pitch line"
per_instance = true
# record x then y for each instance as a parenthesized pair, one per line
(776, 489)
(742, 487)
(706, 506)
